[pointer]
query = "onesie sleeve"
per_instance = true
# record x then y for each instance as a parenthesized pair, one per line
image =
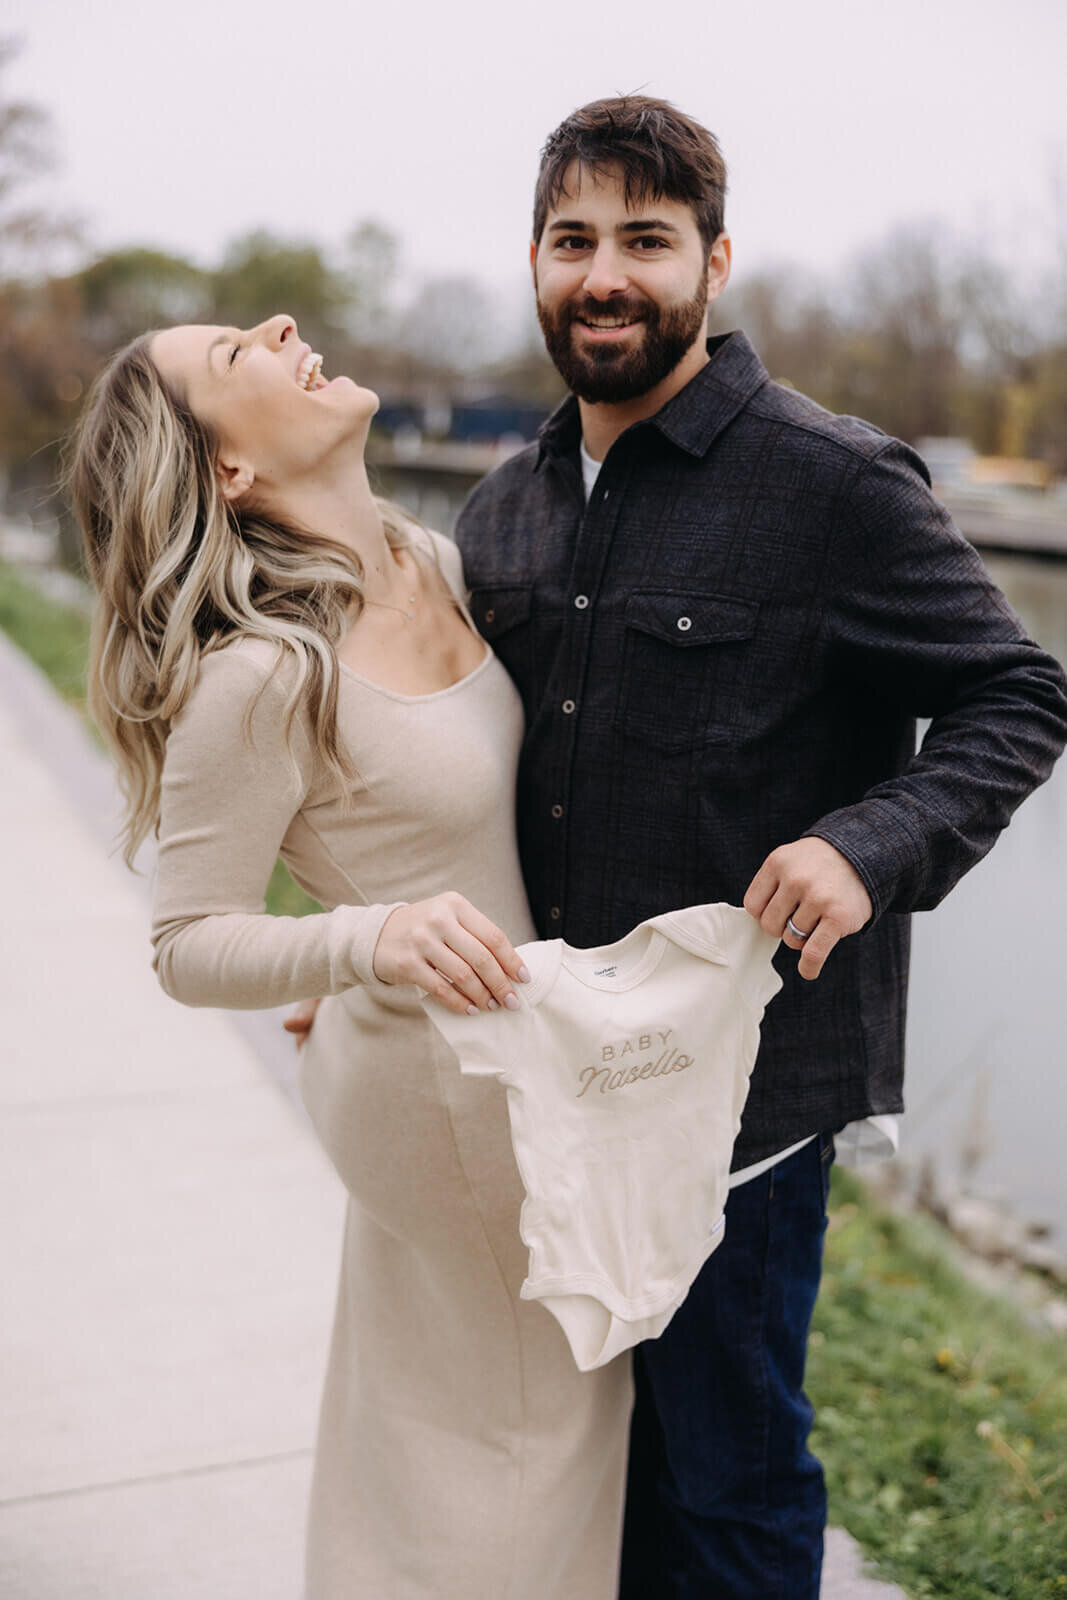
(231, 787)
(749, 951)
(488, 1045)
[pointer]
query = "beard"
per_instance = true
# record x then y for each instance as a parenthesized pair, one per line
(605, 375)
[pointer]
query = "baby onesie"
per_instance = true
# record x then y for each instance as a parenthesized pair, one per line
(626, 1070)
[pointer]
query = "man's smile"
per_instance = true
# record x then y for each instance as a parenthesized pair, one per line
(604, 328)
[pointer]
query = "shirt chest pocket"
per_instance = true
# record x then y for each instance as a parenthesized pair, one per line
(502, 614)
(685, 658)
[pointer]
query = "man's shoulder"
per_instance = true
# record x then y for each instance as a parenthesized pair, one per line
(809, 429)
(500, 512)
(514, 475)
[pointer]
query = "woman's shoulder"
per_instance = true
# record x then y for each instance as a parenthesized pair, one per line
(244, 656)
(434, 546)
(242, 678)
(239, 722)
(448, 558)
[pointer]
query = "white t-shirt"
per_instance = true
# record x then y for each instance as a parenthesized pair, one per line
(860, 1144)
(626, 1070)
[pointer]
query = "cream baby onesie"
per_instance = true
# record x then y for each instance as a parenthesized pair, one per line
(626, 1070)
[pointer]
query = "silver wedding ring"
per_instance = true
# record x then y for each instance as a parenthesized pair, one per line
(795, 931)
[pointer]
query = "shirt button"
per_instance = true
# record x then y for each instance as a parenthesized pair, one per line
(567, 707)
(555, 913)
(685, 623)
(581, 601)
(490, 615)
(557, 812)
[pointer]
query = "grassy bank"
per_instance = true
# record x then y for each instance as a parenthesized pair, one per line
(942, 1416)
(55, 636)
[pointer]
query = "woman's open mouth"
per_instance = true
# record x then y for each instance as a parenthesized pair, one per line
(309, 372)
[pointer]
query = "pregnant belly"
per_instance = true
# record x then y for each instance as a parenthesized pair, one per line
(418, 1146)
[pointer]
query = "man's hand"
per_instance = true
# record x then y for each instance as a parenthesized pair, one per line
(301, 1021)
(812, 883)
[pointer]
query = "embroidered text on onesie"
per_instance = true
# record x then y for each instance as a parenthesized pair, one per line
(626, 1070)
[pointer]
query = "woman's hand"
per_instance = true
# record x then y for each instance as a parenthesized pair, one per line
(449, 949)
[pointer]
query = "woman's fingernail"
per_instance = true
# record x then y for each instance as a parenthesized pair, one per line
(494, 1005)
(511, 1002)
(524, 974)
(472, 1011)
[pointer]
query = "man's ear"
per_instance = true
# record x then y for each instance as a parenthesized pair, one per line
(719, 262)
(235, 478)
(533, 260)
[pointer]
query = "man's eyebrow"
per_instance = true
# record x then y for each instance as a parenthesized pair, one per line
(649, 225)
(645, 225)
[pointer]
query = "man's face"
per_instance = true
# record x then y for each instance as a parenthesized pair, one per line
(622, 294)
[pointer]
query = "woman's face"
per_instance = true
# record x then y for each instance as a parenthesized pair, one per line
(277, 420)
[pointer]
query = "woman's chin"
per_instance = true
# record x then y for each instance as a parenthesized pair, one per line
(366, 399)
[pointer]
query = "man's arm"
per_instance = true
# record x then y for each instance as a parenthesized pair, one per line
(914, 617)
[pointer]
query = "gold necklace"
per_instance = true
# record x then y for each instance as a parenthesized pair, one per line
(408, 614)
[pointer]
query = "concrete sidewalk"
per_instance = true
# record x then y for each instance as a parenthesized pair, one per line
(169, 1232)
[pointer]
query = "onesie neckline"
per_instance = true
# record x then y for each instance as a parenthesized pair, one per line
(583, 964)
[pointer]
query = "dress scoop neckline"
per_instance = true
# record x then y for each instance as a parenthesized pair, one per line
(416, 699)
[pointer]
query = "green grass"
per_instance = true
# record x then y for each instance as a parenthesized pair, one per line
(941, 1415)
(56, 637)
(286, 898)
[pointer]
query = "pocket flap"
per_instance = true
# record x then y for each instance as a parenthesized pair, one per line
(497, 610)
(677, 616)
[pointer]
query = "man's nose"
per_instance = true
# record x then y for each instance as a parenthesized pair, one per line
(607, 273)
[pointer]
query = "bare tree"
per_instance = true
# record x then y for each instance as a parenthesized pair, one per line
(29, 235)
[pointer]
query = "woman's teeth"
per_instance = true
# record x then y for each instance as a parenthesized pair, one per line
(309, 370)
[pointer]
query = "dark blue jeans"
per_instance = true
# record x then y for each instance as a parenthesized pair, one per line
(724, 1499)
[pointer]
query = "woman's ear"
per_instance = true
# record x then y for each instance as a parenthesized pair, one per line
(235, 478)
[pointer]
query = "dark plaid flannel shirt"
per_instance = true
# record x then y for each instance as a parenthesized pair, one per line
(728, 649)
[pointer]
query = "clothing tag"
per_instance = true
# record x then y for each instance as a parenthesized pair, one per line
(605, 972)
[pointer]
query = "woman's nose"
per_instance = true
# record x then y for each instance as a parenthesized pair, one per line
(276, 331)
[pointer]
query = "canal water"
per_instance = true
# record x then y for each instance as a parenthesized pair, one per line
(987, 1030)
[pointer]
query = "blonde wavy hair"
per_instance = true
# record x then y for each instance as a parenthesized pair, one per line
(179, 572)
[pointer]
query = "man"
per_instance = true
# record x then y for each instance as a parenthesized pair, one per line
(724, 608)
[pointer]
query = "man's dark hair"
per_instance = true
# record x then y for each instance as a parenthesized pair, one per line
(660, 151)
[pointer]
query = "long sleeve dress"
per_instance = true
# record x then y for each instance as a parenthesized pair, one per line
(460, 1454)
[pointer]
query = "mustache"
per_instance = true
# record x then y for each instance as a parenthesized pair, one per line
(634, 307)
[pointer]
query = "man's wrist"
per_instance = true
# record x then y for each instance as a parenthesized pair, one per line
(878, 858)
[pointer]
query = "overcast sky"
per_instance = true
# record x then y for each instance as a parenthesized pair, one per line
(182, 124)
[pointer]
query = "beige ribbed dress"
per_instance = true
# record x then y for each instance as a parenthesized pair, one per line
(461, 1455)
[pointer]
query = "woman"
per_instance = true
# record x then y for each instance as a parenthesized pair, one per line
(283, 666)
